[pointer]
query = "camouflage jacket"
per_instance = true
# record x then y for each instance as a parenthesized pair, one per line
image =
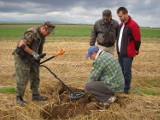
(34, 39)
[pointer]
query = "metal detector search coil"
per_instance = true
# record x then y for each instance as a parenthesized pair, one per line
(76, 95)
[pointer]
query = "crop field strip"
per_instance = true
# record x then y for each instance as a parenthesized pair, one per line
(11, 31)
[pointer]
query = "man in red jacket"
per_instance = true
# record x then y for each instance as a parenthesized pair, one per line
(128, 44)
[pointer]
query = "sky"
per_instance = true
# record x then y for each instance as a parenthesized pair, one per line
(145, 12)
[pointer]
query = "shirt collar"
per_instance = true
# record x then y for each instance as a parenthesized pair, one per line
(98, 53)
(128, 20)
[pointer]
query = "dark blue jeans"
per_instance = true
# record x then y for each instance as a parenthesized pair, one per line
(126, 65)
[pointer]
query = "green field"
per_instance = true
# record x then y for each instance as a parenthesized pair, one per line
(11, 31)
(73, 69)
(150, 32)
(16, 31)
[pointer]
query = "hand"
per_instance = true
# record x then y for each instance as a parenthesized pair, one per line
(36, 55)
(137, 52)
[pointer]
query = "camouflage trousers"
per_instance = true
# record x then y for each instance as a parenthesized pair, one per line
(26, 72)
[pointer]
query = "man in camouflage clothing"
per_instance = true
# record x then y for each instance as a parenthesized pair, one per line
(32, 43)
(106, 77)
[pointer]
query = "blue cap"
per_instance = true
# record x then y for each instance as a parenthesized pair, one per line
(91, 50)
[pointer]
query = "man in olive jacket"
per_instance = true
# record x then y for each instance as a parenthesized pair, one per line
(105, 32)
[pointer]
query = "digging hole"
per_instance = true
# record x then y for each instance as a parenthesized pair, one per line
(64, 108)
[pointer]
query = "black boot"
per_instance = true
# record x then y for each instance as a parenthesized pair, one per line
(38, 97)
(20, 100)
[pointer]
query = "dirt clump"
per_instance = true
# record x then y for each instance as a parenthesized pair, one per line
(65, 108)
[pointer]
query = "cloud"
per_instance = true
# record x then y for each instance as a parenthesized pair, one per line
(145, 12)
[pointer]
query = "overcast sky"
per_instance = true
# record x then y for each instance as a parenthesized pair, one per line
(145, 12)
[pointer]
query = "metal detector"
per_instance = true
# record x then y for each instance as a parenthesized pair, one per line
(73, 95)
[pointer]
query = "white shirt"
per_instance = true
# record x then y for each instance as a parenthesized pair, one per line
(120, 38)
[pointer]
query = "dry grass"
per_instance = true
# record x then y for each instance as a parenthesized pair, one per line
(74, 70)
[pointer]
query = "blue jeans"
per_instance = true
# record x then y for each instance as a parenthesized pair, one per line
(126, 65)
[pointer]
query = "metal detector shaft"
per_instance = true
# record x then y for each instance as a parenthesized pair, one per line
(72, 95)
(56, 77)
(58, 53)
(52, 74)
(47, 59)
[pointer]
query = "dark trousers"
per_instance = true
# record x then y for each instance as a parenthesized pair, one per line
(99, 91)
(126, 65)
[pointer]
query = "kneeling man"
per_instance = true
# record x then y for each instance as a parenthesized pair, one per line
(106, 77)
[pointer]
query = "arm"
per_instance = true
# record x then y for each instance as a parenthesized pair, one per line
(117, 30)
(26, 49)
(93, 36)
(98, 67)
(23, 46)
(26, 40)
(137, 45)
(137, 37)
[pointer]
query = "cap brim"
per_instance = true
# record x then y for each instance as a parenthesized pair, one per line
(50, 30)
(105, 17)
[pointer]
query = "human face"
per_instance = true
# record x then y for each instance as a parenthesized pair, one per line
(107, 20)
(44, 31)
(123, 17)
(93, 56)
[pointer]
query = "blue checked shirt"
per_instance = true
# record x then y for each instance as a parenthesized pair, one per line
(107, 70)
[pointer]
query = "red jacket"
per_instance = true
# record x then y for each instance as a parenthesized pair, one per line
(131, 39)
